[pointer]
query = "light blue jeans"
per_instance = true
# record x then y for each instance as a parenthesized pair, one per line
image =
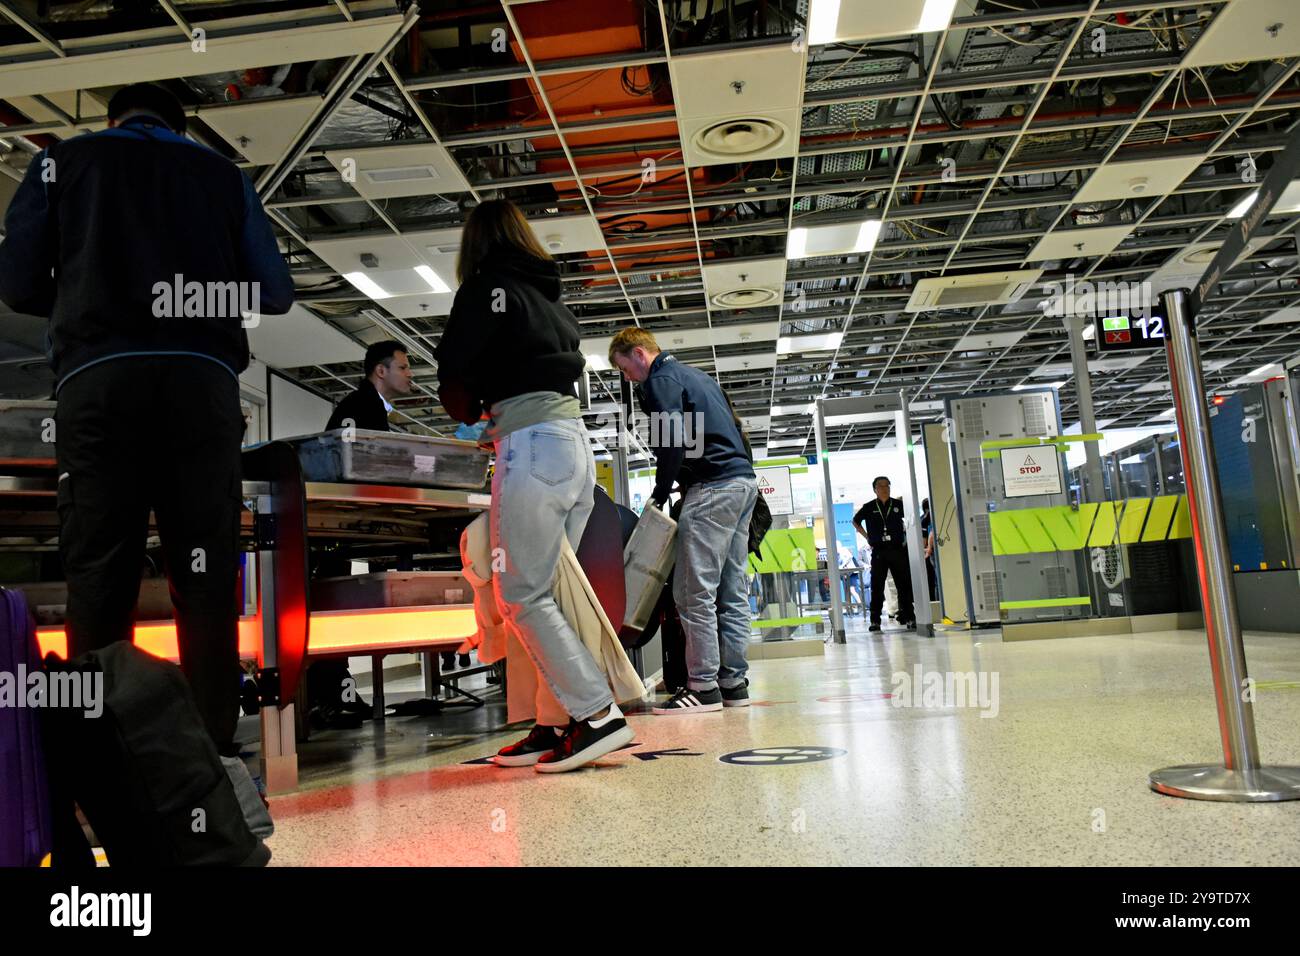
(711, 583)
(542, 493)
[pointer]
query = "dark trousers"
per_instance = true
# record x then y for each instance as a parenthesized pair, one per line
(160, 433)
(891, 560)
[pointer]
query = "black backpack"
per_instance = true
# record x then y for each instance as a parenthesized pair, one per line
(144, 771)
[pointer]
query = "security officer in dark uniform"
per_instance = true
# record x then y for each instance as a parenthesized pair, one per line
(880, 521)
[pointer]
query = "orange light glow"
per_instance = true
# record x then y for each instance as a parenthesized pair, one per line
(157, 638)
(332, 632)
(383, 628)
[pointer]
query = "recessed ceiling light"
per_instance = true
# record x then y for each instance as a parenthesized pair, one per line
(1243, 206)
(793, 409)
(825, 342)
(367, 285)
(804, 242)
(435, 281)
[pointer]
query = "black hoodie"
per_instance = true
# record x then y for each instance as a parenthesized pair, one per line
(508, 334)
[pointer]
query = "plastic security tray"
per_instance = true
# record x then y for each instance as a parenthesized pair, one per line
(391, 458)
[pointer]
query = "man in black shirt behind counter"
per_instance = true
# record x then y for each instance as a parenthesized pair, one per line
(880, 521)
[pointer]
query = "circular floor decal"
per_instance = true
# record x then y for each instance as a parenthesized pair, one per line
(781, 756)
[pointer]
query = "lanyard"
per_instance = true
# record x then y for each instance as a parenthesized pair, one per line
(881, 514)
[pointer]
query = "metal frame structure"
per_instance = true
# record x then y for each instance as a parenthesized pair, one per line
(1011, 91)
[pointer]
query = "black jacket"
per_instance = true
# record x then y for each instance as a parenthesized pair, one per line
(882, 519)
(688, 395)
(364, 407)
(508, 334)
(103, 225)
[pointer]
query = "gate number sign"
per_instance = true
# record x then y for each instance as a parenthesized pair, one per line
(1123, 333)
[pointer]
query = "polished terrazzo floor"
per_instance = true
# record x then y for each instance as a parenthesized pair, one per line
(1058, 776)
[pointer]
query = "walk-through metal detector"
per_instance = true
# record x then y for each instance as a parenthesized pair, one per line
(874, 408)
(1240, 778)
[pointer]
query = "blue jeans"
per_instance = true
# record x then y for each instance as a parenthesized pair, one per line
(542, 492)
(710, 580)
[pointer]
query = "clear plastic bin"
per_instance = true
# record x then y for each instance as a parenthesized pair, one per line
(391, 458)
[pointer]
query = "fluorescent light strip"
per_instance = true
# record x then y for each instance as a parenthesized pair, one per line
(936, 16)
(367, 285)
(867, 235)
(1022, 388)
(797, 244)
(823, 19)
(435, 281)
(1243, 206)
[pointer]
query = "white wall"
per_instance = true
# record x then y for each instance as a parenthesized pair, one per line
(294, 410)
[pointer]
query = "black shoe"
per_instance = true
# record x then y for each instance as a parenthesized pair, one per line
(358, 707)
(909, 625)
(334, 718)
(737, 696)
(584, 743)
(687, 701)
(540, 741)
(875, 626)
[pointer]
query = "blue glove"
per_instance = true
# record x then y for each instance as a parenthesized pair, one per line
(471, 432)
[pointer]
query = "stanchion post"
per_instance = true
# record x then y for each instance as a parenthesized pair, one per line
(1240, 778)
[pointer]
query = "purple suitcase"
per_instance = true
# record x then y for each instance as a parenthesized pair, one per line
(24, 794)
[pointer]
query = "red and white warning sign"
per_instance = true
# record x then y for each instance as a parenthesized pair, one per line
(1034, 470)
(774, 488)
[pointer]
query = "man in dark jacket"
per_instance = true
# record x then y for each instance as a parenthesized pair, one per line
(388, 375)
(698, 445)
(880, 521)
(149, 253)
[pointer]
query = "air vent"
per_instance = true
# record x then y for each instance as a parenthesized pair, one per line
(400, 174)
(1036, 417)
(739, 137)
(745, 298)
(745, 284)
(967, 295)
(964, 291)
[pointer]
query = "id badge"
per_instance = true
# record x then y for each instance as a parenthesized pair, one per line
(886, 539)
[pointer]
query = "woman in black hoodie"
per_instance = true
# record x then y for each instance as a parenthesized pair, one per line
(510, 354)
